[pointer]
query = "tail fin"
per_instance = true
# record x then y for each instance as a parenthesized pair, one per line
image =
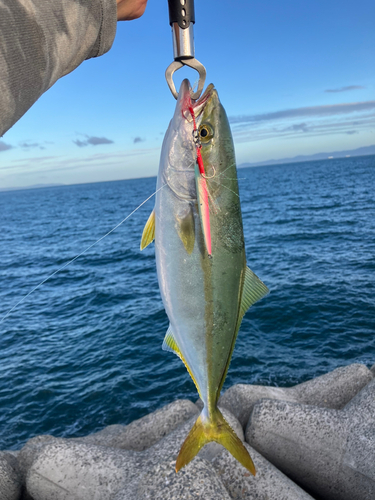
(214, 429)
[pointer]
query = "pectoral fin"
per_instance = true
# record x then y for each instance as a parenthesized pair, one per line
(148, 234)
(186, 230)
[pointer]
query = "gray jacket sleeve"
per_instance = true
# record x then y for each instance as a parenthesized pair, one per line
(43, 40)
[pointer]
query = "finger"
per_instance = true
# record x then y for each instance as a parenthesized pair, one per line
(127, 10)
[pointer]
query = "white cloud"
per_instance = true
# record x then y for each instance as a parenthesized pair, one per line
(325, 110)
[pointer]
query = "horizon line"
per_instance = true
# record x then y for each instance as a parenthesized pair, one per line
(279, 162)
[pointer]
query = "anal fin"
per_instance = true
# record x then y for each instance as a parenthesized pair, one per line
(170, 345)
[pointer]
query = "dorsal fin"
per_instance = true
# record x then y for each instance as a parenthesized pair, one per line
(253, 290)
(148, 234)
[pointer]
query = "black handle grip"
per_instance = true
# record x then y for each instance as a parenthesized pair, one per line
(181, 12)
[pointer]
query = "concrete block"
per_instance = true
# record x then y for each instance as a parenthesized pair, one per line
(62, 469)
(331, 452)
(168, 448)
(241, 398)
(15, 453)
(10, 477)
(268, 484)
(334, 389)
(284, 420)
(197, 481)
(58, 468)
(331, 390)
(66, 471)
(146, 431)
(138, 435)
(32, 448)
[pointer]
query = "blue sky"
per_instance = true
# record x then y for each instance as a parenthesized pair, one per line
(295, 78)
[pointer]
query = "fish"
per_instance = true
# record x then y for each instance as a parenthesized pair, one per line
(204, 281)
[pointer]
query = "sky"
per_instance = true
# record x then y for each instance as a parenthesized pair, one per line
(295, 77)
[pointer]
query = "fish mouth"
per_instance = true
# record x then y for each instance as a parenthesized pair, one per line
(188, 104)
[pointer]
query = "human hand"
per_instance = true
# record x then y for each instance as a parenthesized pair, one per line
(130, 9)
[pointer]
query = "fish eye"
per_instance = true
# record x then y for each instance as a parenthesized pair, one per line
(206, 132)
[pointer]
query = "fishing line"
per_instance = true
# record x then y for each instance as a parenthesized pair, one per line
(79, 255)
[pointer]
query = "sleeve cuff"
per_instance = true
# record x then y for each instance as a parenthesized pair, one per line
(107, 30)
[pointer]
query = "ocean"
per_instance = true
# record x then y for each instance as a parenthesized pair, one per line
(84, 350)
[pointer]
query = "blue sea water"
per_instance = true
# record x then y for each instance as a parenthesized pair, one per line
(84, 350)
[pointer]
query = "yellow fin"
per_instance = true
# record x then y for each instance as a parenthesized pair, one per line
(213, 429)
(186, 231)
(171, 345)
(148, 234)
(252, 291)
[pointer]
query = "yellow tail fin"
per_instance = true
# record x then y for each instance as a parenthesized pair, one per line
(214, 429)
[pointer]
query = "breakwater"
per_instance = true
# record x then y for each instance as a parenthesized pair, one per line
(314, 440)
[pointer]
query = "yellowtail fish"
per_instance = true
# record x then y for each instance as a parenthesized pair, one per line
(204, 282)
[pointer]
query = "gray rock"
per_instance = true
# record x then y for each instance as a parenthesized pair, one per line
(332, 390)
(372, 369)
(146, 431)
(15, 453)
(29, 452)
(200, 480)
(138, 435)
(58, 469)
(199, 404)
(10, 477)
(67, 471)
(196, 481)
(331, 452)
(62, 468)
(268, 484)
(241, 398)
(168, 448)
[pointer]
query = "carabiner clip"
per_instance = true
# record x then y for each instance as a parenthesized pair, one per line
(192, 63)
